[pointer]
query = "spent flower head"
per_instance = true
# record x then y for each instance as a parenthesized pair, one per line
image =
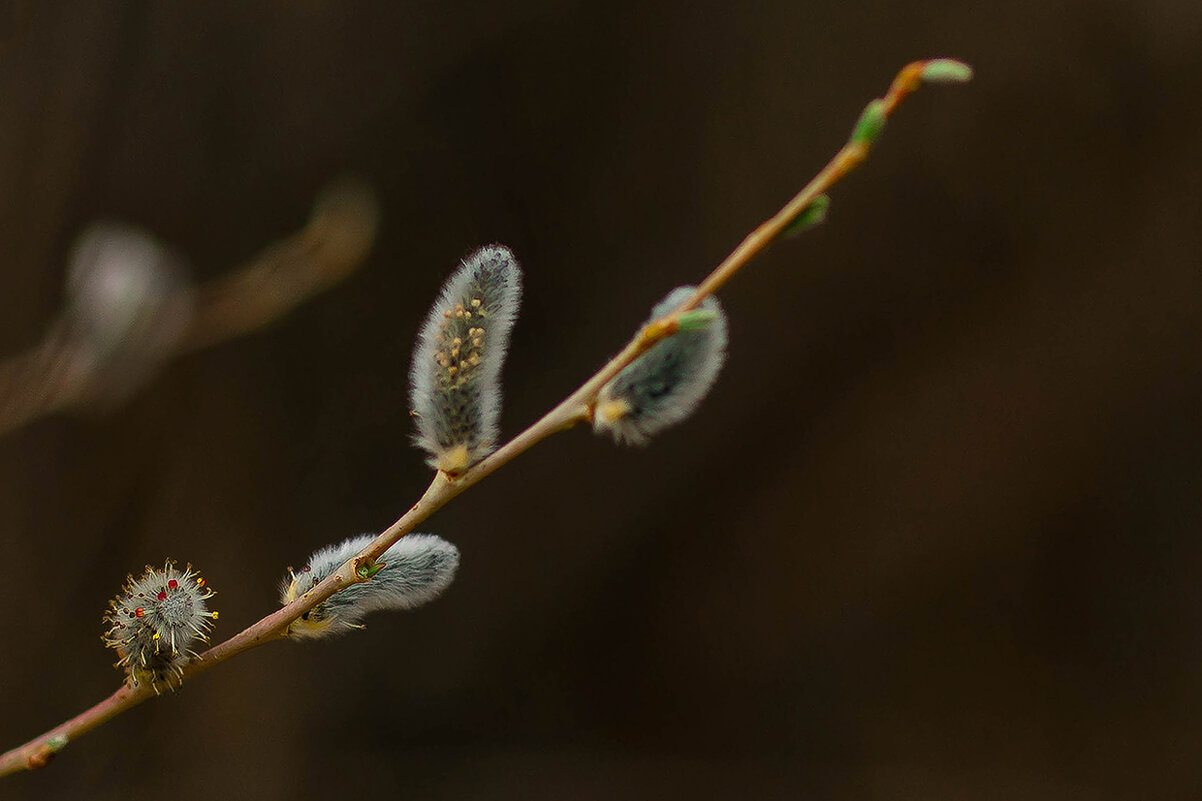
(155, 621)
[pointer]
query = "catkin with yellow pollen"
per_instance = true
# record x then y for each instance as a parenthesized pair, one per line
(455, 382)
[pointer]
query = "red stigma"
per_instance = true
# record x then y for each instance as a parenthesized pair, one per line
(162, 595)
(173, 584)
(139, 611)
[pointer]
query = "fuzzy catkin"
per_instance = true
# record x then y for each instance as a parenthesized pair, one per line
(156, 620)
(665, 385)
(417, 568)
(455, 381)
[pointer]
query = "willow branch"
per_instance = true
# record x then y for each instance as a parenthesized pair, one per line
(576, 408)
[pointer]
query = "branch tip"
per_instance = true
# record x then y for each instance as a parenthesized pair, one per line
(946, 70)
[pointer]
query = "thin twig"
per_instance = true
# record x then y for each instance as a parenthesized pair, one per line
(574, 409)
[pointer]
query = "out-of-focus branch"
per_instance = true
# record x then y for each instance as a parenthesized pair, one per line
(576, 408)
(58, 373)
(35, 383)
(337, 239)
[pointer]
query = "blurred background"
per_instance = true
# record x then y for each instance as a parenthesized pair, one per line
(935, 534)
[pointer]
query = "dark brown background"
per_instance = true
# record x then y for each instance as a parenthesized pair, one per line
(935, 534)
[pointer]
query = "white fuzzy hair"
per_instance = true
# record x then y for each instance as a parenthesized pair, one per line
(156, 620)
(418, 567)
(666, 384)
(455, 381)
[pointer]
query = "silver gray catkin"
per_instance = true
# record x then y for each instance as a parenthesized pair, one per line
(156, 620)
(664, 385)
(455, 381)
(417, 568)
